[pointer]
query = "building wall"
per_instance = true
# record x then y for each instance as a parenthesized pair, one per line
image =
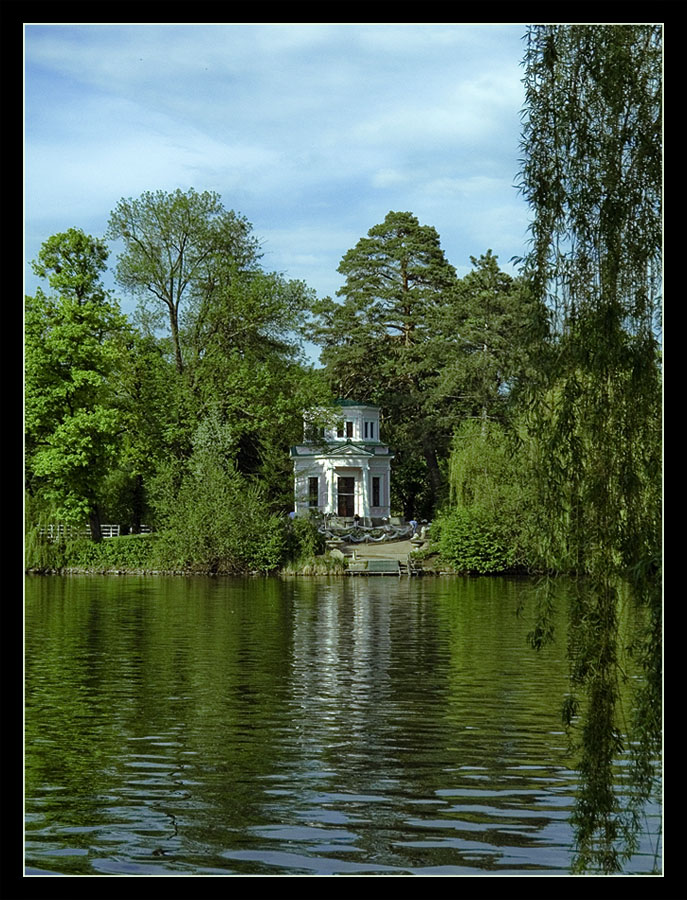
(364, 422)
(327, 493)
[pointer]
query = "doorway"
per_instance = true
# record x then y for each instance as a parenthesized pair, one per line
(346, 497)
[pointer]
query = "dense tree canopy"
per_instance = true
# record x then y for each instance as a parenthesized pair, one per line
(115, 411)
(429, 348)
(72, 353)
(486, 340)
(177, 249)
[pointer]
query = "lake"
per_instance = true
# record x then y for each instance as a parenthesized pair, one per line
(305, 726)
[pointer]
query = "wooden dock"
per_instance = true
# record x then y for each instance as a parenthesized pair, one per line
(388, 558)
(381, 567)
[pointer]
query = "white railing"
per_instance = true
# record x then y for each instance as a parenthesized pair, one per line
(52, 532)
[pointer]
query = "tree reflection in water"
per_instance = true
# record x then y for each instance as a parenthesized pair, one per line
(610, 633)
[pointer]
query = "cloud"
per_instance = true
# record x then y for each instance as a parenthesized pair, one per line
(314, 132)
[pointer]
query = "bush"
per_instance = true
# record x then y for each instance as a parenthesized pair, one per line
(316, 565)
(305, 540)
(219, 521)
(493, 499)
(41, 554)
(133, 552)
(472, 543)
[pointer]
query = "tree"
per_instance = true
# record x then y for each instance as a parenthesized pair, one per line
(149, 394)
(216, 519)
(375, 343)
(174, 244)
(72, 262)
(488, 525)
(72, 349)
(592, 174)
(489, 333)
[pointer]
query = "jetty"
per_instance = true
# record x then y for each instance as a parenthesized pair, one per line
(390, 558)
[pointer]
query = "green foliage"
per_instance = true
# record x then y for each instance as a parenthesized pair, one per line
(72, 352)
(323, 564)
(472, 542)
(177, 245)
(234, 332)
(375, 343)
(218, 521)
(128, 553)
(42, 554)
(156, 421)
(592, 173)
(305, 540)
(427, 347)
(488, 337)
(490, 477)
(72, 262)
(252, 406)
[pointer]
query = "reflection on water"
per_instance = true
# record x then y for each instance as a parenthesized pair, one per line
(310, 726)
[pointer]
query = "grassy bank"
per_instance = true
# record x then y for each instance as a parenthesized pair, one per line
(141, 554)
(138, 554)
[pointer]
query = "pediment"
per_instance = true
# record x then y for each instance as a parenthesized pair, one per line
(349, 450)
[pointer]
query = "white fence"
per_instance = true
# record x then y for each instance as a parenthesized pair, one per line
(106, 531)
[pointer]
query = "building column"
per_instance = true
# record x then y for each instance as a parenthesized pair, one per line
(330, 489)
(366, 490)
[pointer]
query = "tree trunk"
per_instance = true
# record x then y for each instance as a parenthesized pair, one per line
(137, 505)
(409, 507)
(434, 473)
(94, 524)
(174, 325)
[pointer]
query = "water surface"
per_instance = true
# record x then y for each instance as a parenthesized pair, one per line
(306, 726)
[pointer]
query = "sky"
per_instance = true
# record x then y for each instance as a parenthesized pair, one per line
(312, 132)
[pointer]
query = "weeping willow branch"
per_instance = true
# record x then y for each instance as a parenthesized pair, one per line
(592, 174)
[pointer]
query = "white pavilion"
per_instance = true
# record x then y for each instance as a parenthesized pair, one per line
(344, 470)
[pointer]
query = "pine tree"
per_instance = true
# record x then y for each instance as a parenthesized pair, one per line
(376, 342)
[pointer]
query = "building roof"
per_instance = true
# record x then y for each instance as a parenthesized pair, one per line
(341, 449)
(347, 403)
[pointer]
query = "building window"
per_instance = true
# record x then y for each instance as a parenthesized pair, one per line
(376, 492)
(370, 430)
(314, 433)
(348, 426)
(313, 491)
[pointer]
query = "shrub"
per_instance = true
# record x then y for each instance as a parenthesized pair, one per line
(304, 540)
(133, 552)
(316, 565)
(219, 521)
(472, 543)
(42, 554)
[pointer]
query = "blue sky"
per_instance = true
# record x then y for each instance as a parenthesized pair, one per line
(312, 132)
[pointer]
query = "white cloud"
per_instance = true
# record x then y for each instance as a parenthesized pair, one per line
(314, 132)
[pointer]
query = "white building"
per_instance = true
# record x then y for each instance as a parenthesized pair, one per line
(345, 469)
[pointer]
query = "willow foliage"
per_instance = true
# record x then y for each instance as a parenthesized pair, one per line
(592, 175)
